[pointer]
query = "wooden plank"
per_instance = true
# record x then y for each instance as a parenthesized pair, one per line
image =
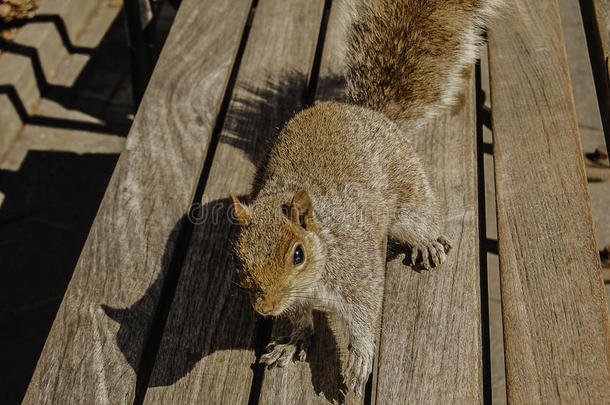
(319, 379)
(596, 19)
(556, 334)
(95, 346)
(207, 349)
(430, 347)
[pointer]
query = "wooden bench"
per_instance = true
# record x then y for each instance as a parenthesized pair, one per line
(151, 315)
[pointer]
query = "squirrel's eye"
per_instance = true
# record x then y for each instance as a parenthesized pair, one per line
(299, 255)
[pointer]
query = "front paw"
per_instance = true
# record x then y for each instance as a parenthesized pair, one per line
(431, 254)
(283, 350)
(359, 366)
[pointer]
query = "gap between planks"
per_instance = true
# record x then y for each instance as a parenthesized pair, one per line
(207, 347)
(184, 238)
(95, 346)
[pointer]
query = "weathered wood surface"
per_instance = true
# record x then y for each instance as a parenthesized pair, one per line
(596, 19)
(319, 379)
(95, 346)
(556, 335)
(207, 350)
(331, 80)
(430, 348)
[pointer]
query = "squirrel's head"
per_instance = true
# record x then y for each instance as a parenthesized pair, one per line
(278, 252)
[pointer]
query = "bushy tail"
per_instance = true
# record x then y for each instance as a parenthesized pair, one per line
(408, 58)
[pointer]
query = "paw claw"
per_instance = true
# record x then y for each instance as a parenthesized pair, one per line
(414, 254)
(445, 243)
(431, 254)
(280, 354)
(272, 357)
(357, 371)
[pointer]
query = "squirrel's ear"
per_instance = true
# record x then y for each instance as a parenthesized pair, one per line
(301, 210)
(241, 211)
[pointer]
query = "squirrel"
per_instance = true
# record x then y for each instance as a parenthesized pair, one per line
(342, 178)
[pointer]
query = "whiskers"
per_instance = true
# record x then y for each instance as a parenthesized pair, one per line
(239, 287)
(321, 300)
(245, 289)
(307, 296)
(293, 299)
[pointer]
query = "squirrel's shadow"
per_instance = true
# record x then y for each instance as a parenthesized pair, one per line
(208, 312)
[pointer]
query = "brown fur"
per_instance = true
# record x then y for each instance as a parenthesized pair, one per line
(341, 178)
(405, 57)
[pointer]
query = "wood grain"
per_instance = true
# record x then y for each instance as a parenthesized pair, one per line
(596, 19)
(430, 347)
(331, 80)
(207, 350)
(318, 380)
(556, 334)
(95, 346)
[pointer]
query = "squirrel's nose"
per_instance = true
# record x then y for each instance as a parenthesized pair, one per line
(265, 306)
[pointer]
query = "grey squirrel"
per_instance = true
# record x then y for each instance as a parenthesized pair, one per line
(342, 178)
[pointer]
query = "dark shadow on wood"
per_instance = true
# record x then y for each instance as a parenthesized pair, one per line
(595, 29)
(60, 27)
(483, 119)
(314, 75)
(205, 311)
(262, 336)
(52, 122)
(49, 206)
(325, 362)
(51, 201)
(491, 246)
(274, 104)
(484, 116)
(90, 91)
(487, 148)
(209, 313)
(323, 358)
(97, 83)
